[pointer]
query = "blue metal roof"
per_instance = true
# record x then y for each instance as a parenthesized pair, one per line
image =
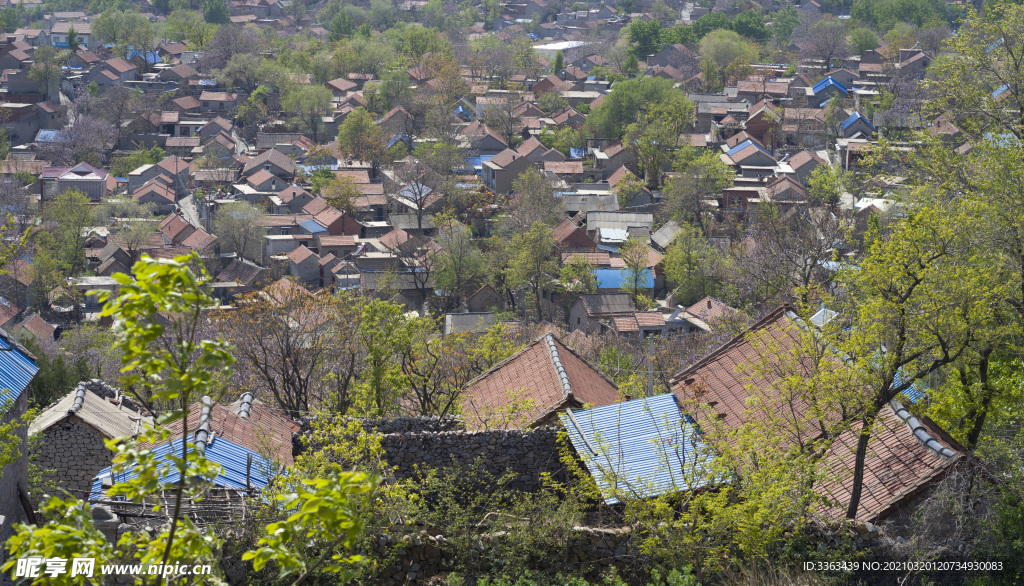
(151, 57)
(16, 371)
(231, 456)
(619, 278)
(48, 136)
(999, 90)
(312, 227)
(744, 145)
(577, 153)
(828, 81)
(853, 118)
(394, 140)
(640, 448)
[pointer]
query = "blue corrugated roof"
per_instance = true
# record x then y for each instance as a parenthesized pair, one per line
(231, 456)
(151, 57)
(48, 136)
(618, 279)
(312, 227)
(641, 448)
(16, 371)
(744, 145)
(853, 118)
(821, 85)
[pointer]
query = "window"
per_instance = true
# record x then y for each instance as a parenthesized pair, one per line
(266, 167)
(206, 104)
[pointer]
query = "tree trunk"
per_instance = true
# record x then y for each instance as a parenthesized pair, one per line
(858, 469)
(987, 393)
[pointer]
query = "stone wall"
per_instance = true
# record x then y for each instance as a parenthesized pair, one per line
(528, 453)
(13, 474)
(413, 424)
(74, 452)
(418, 557)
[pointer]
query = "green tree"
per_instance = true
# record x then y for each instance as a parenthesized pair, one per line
(924, 296)
(459, 264)
(644, 37)
(46, 69)
(750, 24)
(120, 28)
(359, 137)
(628, 100)
(559, 63)
(341, 27)
(695, 266)
(532, 261)
(636, 256)
(712, 21)
(983, 87)
(863, 39)
(74, 43)
(784, 22)
(216, 11)
(725, 48)
(532, 201)
(309, 103)
(654, 136)
(700, 176)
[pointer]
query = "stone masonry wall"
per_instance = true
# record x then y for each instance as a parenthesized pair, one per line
(413, 424)
(74, 452)
(528, 453)
(13, 474)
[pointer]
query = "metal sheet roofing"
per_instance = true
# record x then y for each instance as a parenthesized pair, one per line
(640, 448)
(744, 145)
(232, 457)
(618, 279)
(853, 118)
(312, 227)
(17, 369)
(821, 85)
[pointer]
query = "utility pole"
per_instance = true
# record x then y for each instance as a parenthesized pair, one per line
(650, 366)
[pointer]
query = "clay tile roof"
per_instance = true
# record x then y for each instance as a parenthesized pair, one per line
(173, 225)
(563, 230)
(649, 319)
(274, 157)
(187, 102)
(625, 324)
(395, 238)
(264, 427)
(340, 240)
(199, 240)
(548, 374)
(341, 85)
(7, 310)
(239, 271)
(301, 254)
(504, 158)
(803, 157)
(260, 177)
(898, 464)
(315, 206)
(38, 327)
(711, 309)
(119, 65)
